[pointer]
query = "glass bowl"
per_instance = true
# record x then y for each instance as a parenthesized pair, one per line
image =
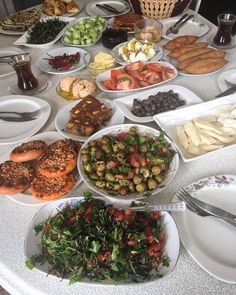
(100, 61)
(150, 30)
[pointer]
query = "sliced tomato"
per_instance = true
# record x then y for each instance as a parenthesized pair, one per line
(136, 160)
(155, 215)
(136, 66)
(136, 75)
(152, 77)
(156, 67)
(110, 84)
(125, 81)
(164, 75)
(122, 135)
(111, 164)
(116, 72)
(143, 83)
(154, 250)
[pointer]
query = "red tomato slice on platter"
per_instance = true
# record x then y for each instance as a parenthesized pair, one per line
(136, 66)
(156, 67)
(115, 73)
(125, 81)
(110, 84)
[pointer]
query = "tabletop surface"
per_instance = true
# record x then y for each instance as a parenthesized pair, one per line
(187, 278)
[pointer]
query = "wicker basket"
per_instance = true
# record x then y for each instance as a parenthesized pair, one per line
(159, 9)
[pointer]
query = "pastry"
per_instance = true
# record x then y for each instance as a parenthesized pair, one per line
(206, 65)
(28, 151)
(59, 160)
(212, 54)
(193, 53)
(180, 41)
(51, 188)
(15, 177)
(186, 48)
(21, 20)
(72, 8)
(128, 21)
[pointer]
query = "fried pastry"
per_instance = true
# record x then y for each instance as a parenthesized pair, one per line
(212, 54)
(193, 53)
(72, 7)
(204, 66)
(186, 48)
(179, 41)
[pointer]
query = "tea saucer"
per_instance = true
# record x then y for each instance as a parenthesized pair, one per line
(42, 86)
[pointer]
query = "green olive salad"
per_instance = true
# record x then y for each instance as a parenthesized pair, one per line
(98, 242)
(127, 163)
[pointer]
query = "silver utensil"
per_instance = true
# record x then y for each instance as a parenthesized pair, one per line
(229, 91)
(174, 207)
(25, 115)
(175, 28)
(10, 58)
(212, 210)
(16, 119)
(108, 8)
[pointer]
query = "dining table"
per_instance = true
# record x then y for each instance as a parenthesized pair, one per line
(188, 277)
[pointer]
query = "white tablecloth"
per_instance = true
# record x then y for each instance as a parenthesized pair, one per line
(187, 278)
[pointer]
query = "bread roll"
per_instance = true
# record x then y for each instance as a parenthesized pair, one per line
(206, 65)
(186, 48)
(212, 54)
(193, 53)
(179, 41)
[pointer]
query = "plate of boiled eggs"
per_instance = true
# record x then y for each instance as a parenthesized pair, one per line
(136, 50)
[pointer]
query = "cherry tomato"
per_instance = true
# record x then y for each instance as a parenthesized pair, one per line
(154, 250)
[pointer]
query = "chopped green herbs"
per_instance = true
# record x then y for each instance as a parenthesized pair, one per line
(99, 242)
(44, 31)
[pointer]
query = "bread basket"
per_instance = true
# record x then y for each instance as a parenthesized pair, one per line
(159, 9)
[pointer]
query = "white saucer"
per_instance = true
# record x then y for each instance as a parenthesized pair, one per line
(230, 76)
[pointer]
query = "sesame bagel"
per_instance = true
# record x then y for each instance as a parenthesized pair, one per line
(28, 151)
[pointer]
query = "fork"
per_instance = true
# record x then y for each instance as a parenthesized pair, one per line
(183, 195)
(26, 115)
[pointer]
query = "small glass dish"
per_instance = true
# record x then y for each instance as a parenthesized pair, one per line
(95, 68)
(150, 30)
(112, 37)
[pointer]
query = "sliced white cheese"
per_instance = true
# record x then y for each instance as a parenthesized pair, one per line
(182, 138)
(191, 131)
(206, 125)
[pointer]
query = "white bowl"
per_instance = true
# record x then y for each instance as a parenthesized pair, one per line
(113, 130)
(32, 241)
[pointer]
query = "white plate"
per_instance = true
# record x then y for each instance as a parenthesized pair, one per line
(121, 6)
(79, 4)
(168, 122)
(114, 130)
(230, 76)
(6, 69)
(32, 241)
(120, 60)
(44, 66)
(107, 75)
(23, 39)
(210, 241)
(26, 198)
(12, 132)
(125, 103)
(191, 27)
(76, 22)
(64, 116)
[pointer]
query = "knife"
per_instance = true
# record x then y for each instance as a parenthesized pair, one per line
(13, 55)
(174, 26)
(16, 119)
(108, 8)
(227, 92)
(215, 211)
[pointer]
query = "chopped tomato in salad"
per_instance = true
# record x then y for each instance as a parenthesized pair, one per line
(138, 75)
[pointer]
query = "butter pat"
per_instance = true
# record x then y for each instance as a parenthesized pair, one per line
(102, 60)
